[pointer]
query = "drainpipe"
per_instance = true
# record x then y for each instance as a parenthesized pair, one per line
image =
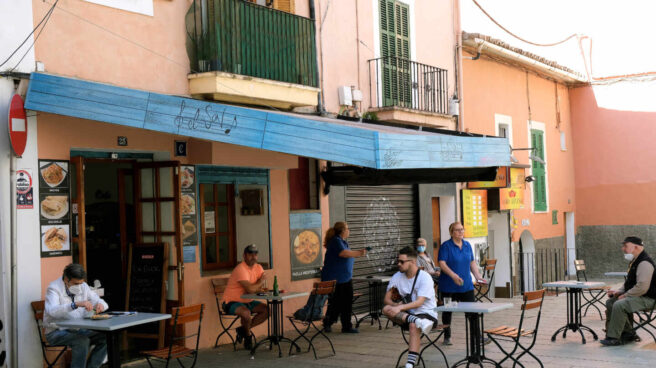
(320, 107)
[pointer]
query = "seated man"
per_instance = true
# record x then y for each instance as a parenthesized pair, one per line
(416, 309)
(637, 293)
(69, 297)
(246, 278)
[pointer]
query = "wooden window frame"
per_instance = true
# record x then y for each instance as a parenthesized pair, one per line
(231, 233)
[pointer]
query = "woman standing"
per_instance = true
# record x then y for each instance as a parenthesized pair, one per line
(456, 260)
(425, 262)
(338, 265)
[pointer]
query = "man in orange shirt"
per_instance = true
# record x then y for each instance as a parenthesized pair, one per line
(246, 278)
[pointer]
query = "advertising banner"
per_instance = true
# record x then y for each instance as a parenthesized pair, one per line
(305, 247)
(474, 212)
(54, 207)
(501, 180)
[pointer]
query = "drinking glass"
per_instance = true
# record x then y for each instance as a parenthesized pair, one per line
(447, 301)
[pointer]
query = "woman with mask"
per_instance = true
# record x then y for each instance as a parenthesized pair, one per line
(425, 262)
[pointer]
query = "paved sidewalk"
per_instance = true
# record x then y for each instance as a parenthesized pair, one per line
(374, 348)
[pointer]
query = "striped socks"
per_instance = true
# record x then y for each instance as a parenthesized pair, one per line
(411, 318)
(412, 359)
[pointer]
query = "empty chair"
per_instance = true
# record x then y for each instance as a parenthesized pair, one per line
(481, 291)
(319, 288)
(177, 348)
(591, 296)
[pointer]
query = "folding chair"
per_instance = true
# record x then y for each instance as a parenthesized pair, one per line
(532, 300)
(219, 285)
(177, 349)
(319, 288)
(355, 297)
(482, 290)
(38, 308)
(643, 319)
(591, 296)
(440, 329)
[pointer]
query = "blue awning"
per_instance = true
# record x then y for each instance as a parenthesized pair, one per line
(365, 145)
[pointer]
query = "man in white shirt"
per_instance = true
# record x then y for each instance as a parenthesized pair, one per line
(69, 297)
(416, 309)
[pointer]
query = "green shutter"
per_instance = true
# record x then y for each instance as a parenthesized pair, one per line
(395, 42)
(538, 172)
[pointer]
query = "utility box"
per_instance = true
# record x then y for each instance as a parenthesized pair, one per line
(357, 95)
(345, 96)
(454, 107)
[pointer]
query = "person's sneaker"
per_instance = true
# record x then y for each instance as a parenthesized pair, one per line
(352, 330)
(248, 342)
(240, 334)
(447, 342)
(630, 337)
(425, 325)
(327, 328)
(486, 340)
(610, 341)
(409, 365)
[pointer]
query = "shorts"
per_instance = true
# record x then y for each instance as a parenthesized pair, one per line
(231, 307)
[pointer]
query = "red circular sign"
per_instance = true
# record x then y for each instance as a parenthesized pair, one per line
(17, 125)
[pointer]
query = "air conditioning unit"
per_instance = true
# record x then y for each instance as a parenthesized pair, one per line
(454, 107)
(345, 96)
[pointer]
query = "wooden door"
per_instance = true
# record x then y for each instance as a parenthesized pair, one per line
(437, 232)
(79, 232)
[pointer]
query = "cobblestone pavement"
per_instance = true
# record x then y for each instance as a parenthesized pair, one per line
(380, 348)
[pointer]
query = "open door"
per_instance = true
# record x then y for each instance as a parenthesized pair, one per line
(159, 219)
(79, 246)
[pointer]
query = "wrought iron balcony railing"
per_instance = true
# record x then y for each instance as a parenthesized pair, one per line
(240, 37)
(398, 82)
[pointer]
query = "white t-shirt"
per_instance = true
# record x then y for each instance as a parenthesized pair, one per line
(424, 287)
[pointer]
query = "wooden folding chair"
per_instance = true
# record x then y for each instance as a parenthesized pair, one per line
(482, 290)
(432, 341)
(319, 288)
(645, 318)
(38, 307)
(591, 296)
(532, 300)
(177, 349)
(356, 296)
(219, 285)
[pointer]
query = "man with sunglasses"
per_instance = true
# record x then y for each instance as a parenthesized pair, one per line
(416, 310)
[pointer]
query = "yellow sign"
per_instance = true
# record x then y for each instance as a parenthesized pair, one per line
(500, 181)
(516, 177)
(511, 198)
(474, 212)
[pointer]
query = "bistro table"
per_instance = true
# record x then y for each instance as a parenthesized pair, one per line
(275, 322)
(475, 345)
(376, 297)
(574, 291)
(112, 328)
(614, 274)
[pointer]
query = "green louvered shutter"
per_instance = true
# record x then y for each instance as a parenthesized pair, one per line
(395, 43)
(538, 172)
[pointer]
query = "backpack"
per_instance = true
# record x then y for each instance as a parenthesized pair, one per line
(312, 309)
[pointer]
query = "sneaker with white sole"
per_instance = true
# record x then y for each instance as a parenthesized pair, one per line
(409, 365)
(425, 325)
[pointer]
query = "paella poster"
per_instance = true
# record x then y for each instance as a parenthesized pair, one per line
(54, 207)
(305, 247)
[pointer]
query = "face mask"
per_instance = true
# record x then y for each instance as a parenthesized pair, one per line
(76, 289)
(421, 249)
(628, 257)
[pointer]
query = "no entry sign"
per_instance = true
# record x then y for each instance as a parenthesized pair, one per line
(17, 125)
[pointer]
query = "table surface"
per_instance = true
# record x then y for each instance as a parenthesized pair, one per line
(574, 284)
(114, 323)
(471, 307)
(269, 295)
(377, 278)
(616, 273)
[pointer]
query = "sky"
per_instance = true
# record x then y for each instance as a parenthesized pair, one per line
(620, 33)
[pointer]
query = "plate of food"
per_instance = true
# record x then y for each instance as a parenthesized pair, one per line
(188, 229)
(55, 238)
(54, 207)
(187, 204)
(307, 247)
(187, 177)
(53, 174)
(99, 316)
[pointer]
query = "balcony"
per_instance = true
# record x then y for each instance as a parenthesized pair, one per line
(405, 91)
(246, 53)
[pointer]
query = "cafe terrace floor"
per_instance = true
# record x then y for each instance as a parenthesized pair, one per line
(380, 349)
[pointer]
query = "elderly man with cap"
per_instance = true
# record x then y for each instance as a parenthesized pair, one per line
(637, 293)
(246, 278)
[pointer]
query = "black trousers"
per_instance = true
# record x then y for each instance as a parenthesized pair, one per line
(340, 304)
(467, 296)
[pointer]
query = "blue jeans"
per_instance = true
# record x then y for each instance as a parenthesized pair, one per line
(80, 341)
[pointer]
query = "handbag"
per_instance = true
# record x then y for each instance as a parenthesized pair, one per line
(407, 299)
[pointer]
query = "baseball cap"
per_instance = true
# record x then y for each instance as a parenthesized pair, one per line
(251, 248)
(633, 239)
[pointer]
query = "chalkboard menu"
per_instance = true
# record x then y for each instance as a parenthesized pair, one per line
(147, 273)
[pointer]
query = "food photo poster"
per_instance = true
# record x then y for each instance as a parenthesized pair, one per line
(188, 211)
(54, 208)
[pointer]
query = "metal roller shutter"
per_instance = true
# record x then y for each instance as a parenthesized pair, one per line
(384, 218)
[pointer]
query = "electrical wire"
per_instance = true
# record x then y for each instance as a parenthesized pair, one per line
(35, 38)
(47, 16)
(520, 38)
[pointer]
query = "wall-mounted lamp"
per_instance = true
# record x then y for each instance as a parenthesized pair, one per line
(531, 156)
(529, 178)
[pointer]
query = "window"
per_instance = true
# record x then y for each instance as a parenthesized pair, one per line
(304, 185)
(503, 125)
(395, 51)
(218, 226)
(538, 171)
(144, 7)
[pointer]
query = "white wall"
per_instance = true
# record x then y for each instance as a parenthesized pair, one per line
(15, 24)
(498, 223)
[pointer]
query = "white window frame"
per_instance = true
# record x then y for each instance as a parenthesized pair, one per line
(499, 120)
(144, 7)
(536, 125)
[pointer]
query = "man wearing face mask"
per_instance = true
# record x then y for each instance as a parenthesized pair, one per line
(637, 293)
(69, 297)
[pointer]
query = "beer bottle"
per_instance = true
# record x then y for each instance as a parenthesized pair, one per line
(276, 292)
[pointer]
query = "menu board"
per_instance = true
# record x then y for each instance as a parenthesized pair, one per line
(474, 212)
(54, 208)
(188, 206)
(146, 277)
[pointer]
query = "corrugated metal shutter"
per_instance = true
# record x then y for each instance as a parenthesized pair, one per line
(384, 218)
